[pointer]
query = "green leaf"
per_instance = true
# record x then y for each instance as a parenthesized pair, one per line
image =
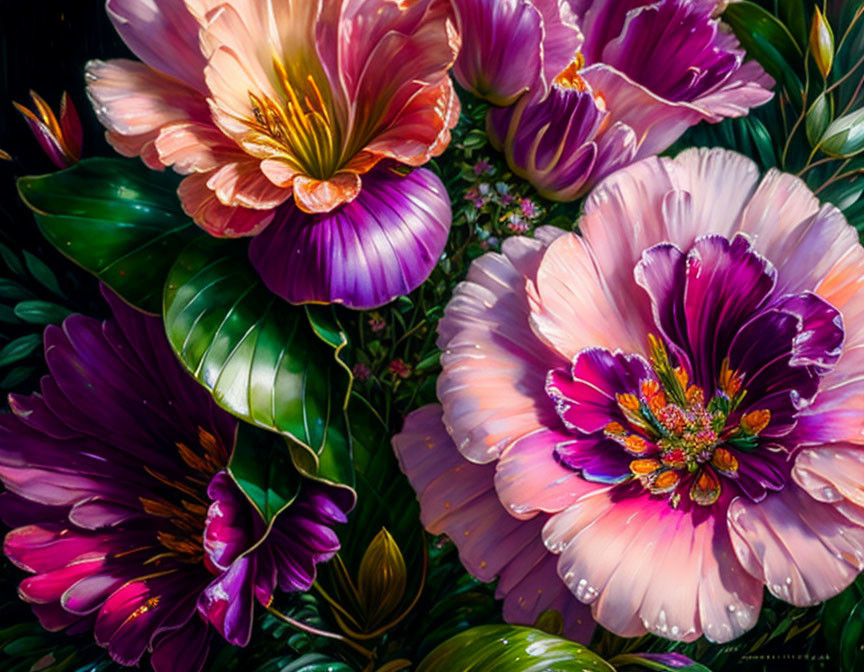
(258, 356)
(9, 289)
(261, 467)
(42, 274)
(768, 41)
(20, 348)
(633, 662)
(845, 136)
(11, 260)
(116, 219)
(851, 640)
(510, 648)
(316, 662)
(41, 312)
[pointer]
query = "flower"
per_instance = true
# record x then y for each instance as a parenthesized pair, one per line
(376, 322)
(61, 140)
(399, 368)
(122, 509)
(483, 167)
(361, 372)
(301, 118)
(673, 409)
(592, 97)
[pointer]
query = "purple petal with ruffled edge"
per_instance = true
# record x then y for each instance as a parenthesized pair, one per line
(585, 396)
(382, 245)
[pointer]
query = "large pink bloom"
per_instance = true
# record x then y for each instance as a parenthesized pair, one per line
(297, 102)
(672, 402)
(585, 87)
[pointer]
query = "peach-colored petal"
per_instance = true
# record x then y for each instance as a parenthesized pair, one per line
(646, 567)
(201, 203)
(163, 34)
(243, 184)
(803, 550)
(134, 102)
(193, 147)
(279, 172)
(494, 366)
(313, 195)
(422, 129)
(832, 473)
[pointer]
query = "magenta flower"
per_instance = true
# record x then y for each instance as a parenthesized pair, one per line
(597, 97)
(295, 119)
(123, 511)
(673, 409)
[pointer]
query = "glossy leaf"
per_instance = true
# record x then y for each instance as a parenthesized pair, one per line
(258, 356)
(116, 219)
(851, 639)
(510, 648)
(660, 662)
(261, 467)
(768, 41)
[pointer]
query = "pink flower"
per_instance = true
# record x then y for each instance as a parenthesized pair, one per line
(399, 368)
(259, 102)
(594, 85)
(673, 410)
(361, 371)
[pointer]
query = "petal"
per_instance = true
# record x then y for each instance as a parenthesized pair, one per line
(458, 499)
(571, 307)
(163, 34)
(134, 102)
(322, 196)
(364, 254)
(201, 203)
(227, 603)
(494, 367)
(803, 550)
(647, 567)
(503, 58)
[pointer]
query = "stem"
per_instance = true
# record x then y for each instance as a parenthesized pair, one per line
(846, 76)
(834, 177)
(852, 99)
(820, 162)
(854, 20)
(321, 633)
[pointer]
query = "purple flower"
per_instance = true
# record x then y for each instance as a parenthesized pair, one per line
(529, 208)
(483, 167)
(122, 509)
(361, 371)
(610, 101)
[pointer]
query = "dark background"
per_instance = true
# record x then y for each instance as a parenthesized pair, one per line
(44, 45)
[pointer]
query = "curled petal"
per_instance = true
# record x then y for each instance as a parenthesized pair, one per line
(365, 253)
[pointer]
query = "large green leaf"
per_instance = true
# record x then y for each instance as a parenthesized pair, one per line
(258, 356)
(116, 219)
(510, 648)
(768, 41)
(261, 467)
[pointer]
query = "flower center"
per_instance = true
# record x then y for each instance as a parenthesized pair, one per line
(301, 125)
(183, 503)
(672, 433)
